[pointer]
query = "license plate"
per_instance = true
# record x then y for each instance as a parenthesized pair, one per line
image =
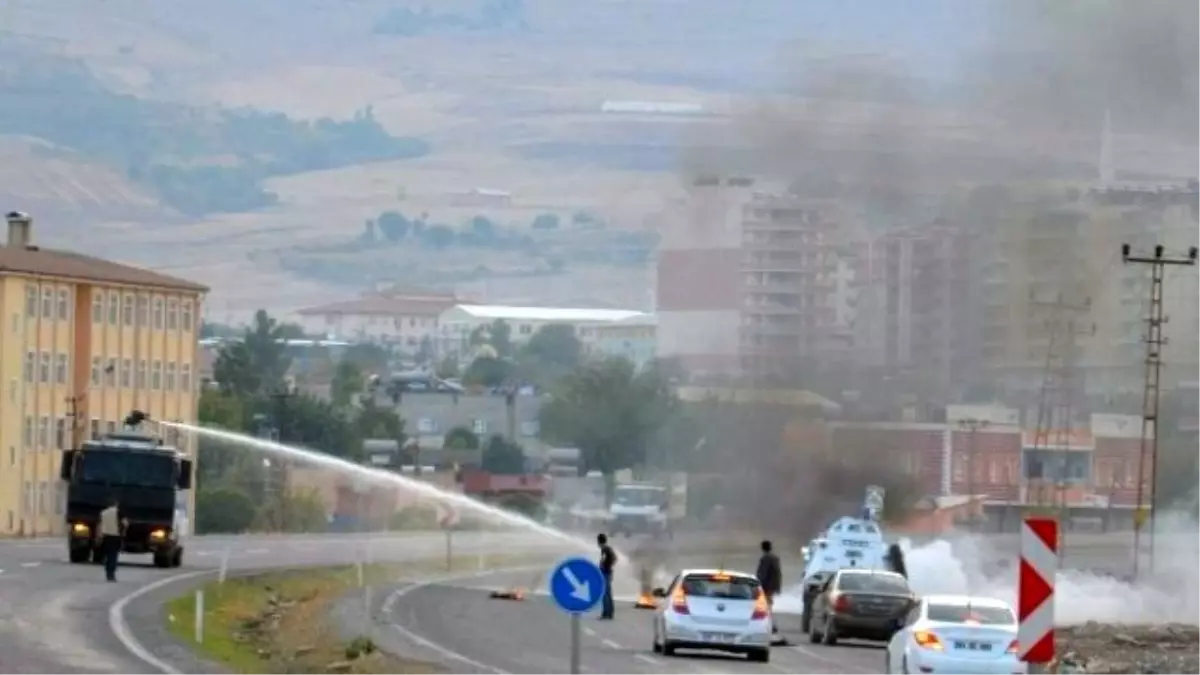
(973, 646)
(722, 638)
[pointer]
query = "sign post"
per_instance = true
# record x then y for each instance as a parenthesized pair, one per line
(577, 585)
(1035, 592)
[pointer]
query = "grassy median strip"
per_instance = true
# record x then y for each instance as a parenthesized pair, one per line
(279, 622)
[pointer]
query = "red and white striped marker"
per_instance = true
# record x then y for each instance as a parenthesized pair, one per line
(1035, 589)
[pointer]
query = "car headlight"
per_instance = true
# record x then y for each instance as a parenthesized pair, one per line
(79, 528)
(158, 535)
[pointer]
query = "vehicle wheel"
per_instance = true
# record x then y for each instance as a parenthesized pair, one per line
(804, 621)
(760, 655)
(177, 559)
(162, 560)
(668, 649)
(79, 555)
(829, 635)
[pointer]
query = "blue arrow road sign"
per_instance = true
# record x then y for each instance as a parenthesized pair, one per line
(577, 585)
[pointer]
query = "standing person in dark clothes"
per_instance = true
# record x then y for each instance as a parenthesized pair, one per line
(608, 560)
(770, 576)
(111, 527)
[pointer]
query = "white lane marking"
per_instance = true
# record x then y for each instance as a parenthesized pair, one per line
(30, 564)
(120, 627)
(648, 659)
(257, 551)
(204, 553)
(611, 644)
(390, 603)
(586, 631)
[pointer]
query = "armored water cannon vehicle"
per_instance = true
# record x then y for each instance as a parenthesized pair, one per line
(850, 542)
(148, 479)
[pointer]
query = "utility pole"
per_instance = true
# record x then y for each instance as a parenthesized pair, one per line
(972, 426)
(1150, 391)
(279, 467)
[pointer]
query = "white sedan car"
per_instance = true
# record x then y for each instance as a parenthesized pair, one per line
(706, 609)
(957, 634)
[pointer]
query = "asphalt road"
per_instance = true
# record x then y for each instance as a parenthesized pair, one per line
(460, 626)
(56, 617)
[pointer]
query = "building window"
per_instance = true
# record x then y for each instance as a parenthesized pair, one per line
(110, 373)
(172, 315)
(97, 308)
(41, 498)
(127, 310)
(60, 433)
(28, 497)
(60, 498)
(185, 316)
(47, 303)
(479, 427)
(141, 375)
(110, 426)
(143, 307)
(60, 369)
(28, 432)
(185, 377)
(30, 361)
(156, 376)
(114, 308)
(31, 300)
(44, 368)
(158, 314)
(95, 428)
(126, 372)
(170, 385)
(64, 305)
(43, 432)
(95, 371)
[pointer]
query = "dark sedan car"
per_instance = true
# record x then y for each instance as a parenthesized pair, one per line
(860, 603)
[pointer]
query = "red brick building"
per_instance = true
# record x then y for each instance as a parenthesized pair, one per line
(1096, 467)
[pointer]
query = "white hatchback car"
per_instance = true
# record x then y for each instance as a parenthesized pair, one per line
(707, 609)
(962, 634)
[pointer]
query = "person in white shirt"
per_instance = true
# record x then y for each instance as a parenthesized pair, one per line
(111, 527)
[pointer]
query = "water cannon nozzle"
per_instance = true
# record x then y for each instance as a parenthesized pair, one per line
(135, 418)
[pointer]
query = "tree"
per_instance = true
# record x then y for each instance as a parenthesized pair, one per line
(437, 236)
(552, 351)
(460, 438)
(497, 335)
(447, 368)
(488, 371)
(502, 456)
(347, 383)
(610, 411)
(223, 510)
(370, 358)
(393, 225)
(545, 221)
(259, 362)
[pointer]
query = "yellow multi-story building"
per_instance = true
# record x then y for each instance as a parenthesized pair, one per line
(83, 341)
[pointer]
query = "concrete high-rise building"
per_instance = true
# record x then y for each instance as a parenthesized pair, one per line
(699, 271)
(916, 314)
(85, 342)
(789, 268)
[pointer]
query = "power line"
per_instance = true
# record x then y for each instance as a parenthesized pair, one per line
(1150, 392)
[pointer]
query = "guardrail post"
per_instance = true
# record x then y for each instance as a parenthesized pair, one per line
(199, 621)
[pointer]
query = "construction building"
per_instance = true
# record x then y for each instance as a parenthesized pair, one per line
(85, 342)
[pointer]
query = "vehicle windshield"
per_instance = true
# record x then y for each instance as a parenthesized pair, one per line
(134, 469)
(873, 583)
(719, 586)
(628, 496)
(985, 616)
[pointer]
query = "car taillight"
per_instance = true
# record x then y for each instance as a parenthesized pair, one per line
(679, 602)
(1012, 647)
(841, 603)
(762, 609)
(928, 640)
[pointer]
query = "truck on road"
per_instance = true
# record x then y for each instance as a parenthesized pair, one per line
(148, 480)
(648, 507)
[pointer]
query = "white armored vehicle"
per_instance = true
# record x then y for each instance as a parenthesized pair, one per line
(849, 542)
